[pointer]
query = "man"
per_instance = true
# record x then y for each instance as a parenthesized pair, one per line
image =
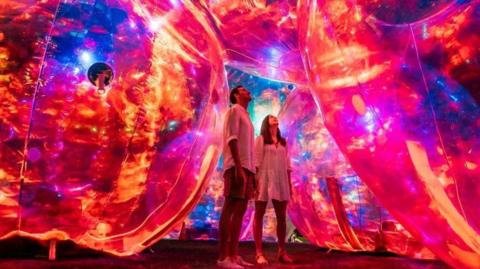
(239, 177)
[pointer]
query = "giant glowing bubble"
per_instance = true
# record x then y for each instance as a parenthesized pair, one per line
(260, 37)
(112, 170)
(398, 84)
(330, 205)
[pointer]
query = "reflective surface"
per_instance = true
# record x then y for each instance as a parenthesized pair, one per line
(260, 37)
(330, 205)
(400, 97)
(116, 169)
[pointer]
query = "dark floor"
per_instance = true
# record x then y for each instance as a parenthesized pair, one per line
(21, 253)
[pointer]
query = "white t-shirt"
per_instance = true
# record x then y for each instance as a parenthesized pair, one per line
(238, 126)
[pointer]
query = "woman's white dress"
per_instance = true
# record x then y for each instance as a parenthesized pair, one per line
(273, 163)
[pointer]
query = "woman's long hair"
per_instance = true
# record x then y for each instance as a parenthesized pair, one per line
(265, 132)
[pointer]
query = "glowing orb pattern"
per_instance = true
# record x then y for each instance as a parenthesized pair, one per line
(117, 170)
(398, 87)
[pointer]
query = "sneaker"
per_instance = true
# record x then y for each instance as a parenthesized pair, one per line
(239, 260)
(228, 263)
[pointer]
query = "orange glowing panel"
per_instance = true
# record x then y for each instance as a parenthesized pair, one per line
(112, 169)
(398, 83)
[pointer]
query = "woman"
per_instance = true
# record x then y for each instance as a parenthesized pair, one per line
(273, 183)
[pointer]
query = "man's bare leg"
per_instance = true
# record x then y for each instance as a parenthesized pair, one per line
(225, 228)
(239, 208)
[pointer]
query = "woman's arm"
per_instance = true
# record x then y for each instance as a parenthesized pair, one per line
(289, 170)
(259, 152)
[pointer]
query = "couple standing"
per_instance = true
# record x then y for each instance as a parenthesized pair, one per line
(257, 170)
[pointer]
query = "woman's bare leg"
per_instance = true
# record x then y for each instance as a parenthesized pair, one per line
(281, 214)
